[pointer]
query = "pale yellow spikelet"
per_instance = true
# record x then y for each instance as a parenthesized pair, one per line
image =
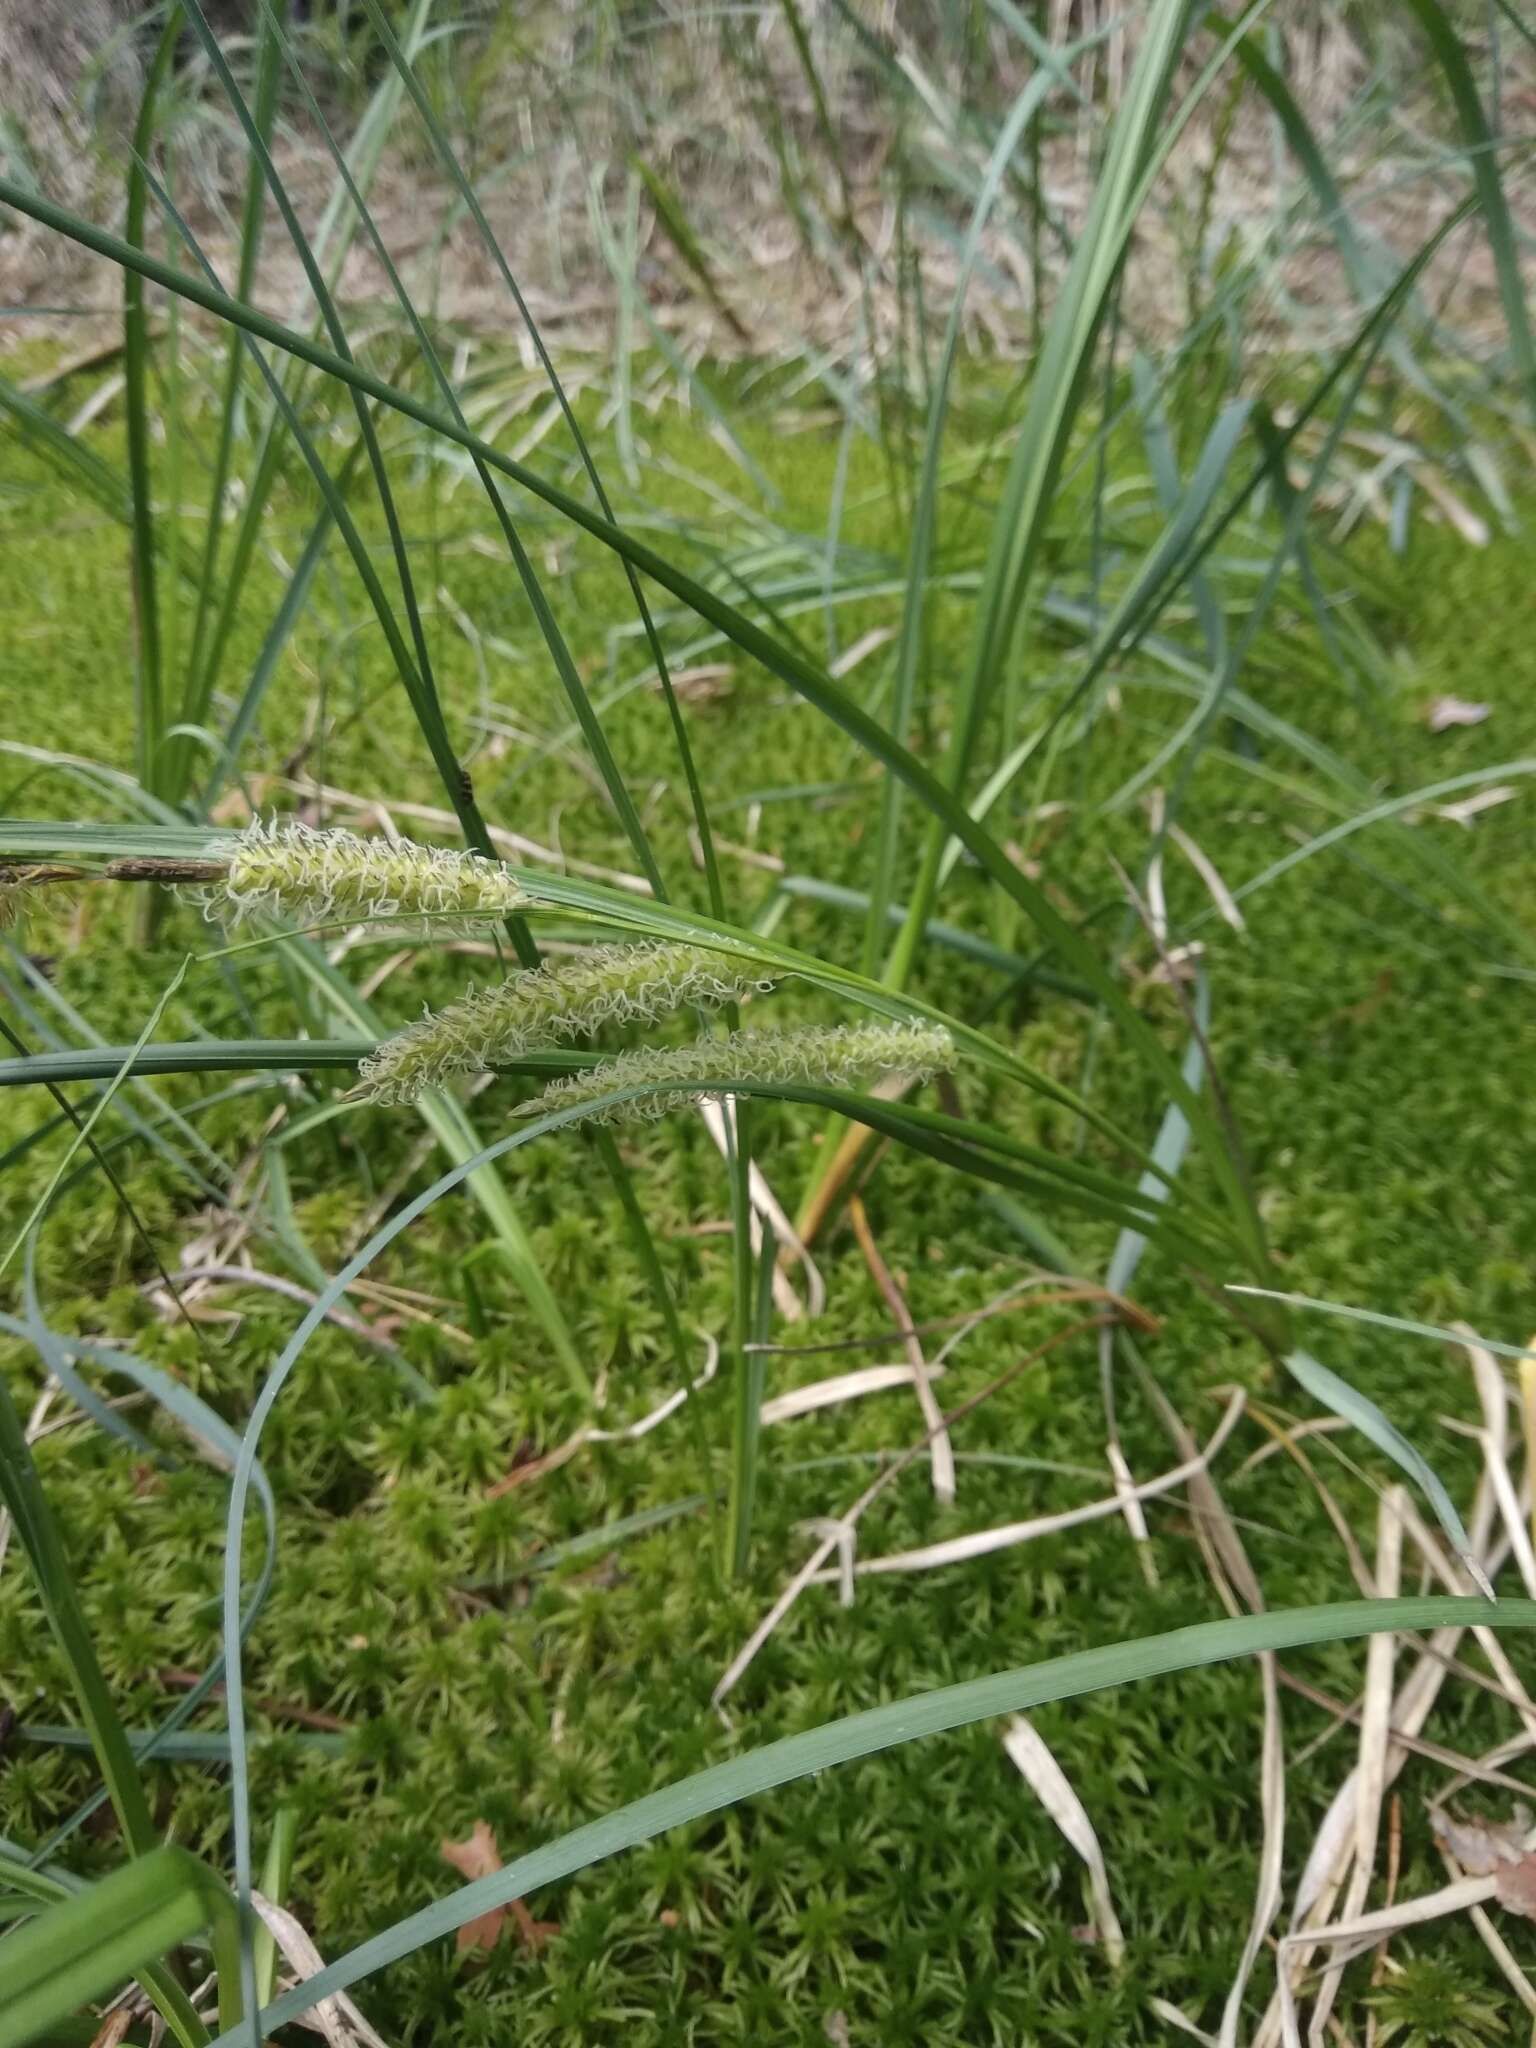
(296, 875)
(552, 1005)
(828, 1056)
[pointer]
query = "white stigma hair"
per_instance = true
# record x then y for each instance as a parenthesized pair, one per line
(830, 1056)
(572, 999)
(297, 875)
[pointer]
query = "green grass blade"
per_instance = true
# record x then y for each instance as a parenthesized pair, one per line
(450, 163)
(274, 641)
(1168, 1149)
(981, 1150)
(450, 1125)
(202, 663)
(202, 1423)
(66, 453)
(936, 932)
(643, 1245)
(792, 667)
(1394, 807)
(1025, 109)
(881, 1728)
(276, 1876)
(22, 1493)
(565, 665)
(1436, 1332)
(331, 242)
(416, 669)
(876, 1115)
(148, 672)
(179, 1745)
(83, 1131)
(627, 914)
(86, 1946)
(192, 1056)
(1358, 1409)
(1451, 55)
(1035, 467)
(673, 216)
(1167, 566)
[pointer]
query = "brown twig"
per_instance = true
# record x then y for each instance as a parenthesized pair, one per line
(940, 1451)
(280, 1710)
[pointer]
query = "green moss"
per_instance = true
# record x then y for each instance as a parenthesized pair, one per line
(1375, 1066)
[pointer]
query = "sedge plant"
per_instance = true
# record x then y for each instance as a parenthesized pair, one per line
(321, 400)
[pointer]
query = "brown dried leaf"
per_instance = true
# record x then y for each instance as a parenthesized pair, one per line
(475, 1857)
(1514, 1886)
(1483, 1848)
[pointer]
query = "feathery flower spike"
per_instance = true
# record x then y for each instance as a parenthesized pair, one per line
(297, 875)
(550, 1005)
(831, 1056)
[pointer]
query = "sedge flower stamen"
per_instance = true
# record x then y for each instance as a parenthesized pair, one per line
(553, 1005)
(294, 874)
(827, 1056)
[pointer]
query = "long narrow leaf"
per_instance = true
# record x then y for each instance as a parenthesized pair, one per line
(1326, 1386)
(881, 1728)
(1452, 58)
(86, 1946)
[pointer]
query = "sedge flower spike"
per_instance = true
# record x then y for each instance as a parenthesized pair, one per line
(297, 875)
(571, 999)
(827, 1056)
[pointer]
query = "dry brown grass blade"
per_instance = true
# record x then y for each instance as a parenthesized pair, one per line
(720, 1121)
(1503, 1956)
(843, 1386)
(1327, 1864)
(1455, 1579)
(1010, 1535)
(1468, 1770)
(1221, 896)
(1528, 1425)
(1267, 1892)
(1493, 1439)
(940, 1451)
(1380, 1962)
(1375, 1726)
(1237, 1586)
(1154, 909)
(1366, 1930)
(1038, 1291)
(337, 2018)
(1130, 1502)
(1286, 1436)
(856, 1154)
(1171, 2016)
(272, 1283)
(1314, 1425)
(114, 2028)
(1040, 1770)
